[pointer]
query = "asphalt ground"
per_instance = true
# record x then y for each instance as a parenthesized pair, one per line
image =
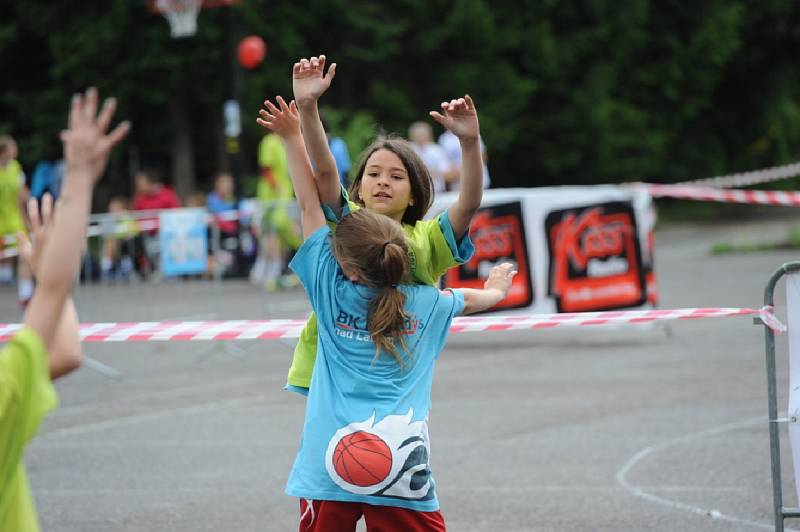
(633, 428)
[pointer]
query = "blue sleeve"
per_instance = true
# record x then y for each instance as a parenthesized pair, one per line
(315, 265)
(448, 305)
(463, 250)
(454, 305)
(330, 216)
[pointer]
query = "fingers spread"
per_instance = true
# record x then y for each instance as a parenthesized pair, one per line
(331, 72)
(118, 133)
(470, 103)
(282, 103)
(47, 208)
(272, 109)
(75, 110)
(106, 113)
(33, 214)
(90, 105)
(438, 117)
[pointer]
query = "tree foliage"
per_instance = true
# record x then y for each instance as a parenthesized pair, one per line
(578, 91)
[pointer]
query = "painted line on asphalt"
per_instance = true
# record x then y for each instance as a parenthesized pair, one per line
(644, 493)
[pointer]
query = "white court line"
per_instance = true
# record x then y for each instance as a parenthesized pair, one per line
(713, 514)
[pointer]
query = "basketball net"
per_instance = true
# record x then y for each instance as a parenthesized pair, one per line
(181, 15)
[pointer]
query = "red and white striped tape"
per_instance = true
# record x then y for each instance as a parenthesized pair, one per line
(744, 179)
(757, 197)
(274, 329)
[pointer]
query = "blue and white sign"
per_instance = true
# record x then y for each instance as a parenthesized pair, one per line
(184, 241)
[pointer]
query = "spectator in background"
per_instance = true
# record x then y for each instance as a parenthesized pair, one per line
(119, 230)
(421, 136)
(47, 177)
(278, 232)
(221, 200)
(452, 148)
(340, 154)
(151, 194)
(13, 197)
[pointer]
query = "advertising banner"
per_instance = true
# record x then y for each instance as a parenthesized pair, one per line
(183, 241)
(595, 259)
(498, 233)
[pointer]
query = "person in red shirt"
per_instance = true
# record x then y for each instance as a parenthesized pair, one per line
(151, 195)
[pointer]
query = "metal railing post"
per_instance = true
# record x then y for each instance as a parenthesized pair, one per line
(772, 400)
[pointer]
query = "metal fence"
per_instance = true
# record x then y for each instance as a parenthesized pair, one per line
(780, 511)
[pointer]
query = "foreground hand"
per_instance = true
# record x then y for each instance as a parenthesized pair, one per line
(500, 277)
(309, 80)
(86, 143)
(285, 121)
(30, 249)
(460, 117)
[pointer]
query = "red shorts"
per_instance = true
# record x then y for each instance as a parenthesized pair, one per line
(337, 516)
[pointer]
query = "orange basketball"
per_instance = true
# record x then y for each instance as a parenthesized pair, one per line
(362, 459)
(251, 51)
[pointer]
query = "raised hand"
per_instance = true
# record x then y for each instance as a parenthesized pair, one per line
(460, 117)
(30, 249)
(86, 143)
(309, 79)
(285, 121)
(500, 278)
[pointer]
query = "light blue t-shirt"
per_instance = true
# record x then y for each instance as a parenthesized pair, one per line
(365, 437)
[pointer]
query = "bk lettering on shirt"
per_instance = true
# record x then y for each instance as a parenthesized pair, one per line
(348, 321)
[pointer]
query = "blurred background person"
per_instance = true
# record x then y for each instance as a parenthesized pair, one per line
(13, 197)
(151, 195)
(421, 136)
(340, 153)
(452, 148)
(119, 230)
(221, 203)
(47, 177)
(279, 235)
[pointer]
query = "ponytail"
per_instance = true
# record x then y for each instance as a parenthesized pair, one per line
(386, 316)
(374, 246)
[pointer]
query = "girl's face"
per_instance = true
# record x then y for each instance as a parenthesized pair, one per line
(385, 186)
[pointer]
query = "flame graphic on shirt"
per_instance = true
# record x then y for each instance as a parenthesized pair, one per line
(409, 476)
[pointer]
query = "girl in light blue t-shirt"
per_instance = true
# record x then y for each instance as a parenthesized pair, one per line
(365, 447)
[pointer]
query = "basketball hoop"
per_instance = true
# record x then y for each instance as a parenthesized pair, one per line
(181, 15)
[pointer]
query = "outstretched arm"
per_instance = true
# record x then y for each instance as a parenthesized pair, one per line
(494, 290)
(64, 353)
(461, 117)
(284, 121)
(86, 150)
(309, 82)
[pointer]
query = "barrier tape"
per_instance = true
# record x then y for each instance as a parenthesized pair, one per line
(744, 179)
(274, 329)
(752, 197)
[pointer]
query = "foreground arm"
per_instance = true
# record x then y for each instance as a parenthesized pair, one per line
(284, 121)
(64, 353)
(494, 290)
(461, 118)
(309, 83)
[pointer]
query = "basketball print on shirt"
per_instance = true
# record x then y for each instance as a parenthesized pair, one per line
(388, 458)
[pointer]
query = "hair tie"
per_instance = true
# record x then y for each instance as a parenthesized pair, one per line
(383, 249)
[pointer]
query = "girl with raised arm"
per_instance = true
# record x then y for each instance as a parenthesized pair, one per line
(365, 447)
(391, 180)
